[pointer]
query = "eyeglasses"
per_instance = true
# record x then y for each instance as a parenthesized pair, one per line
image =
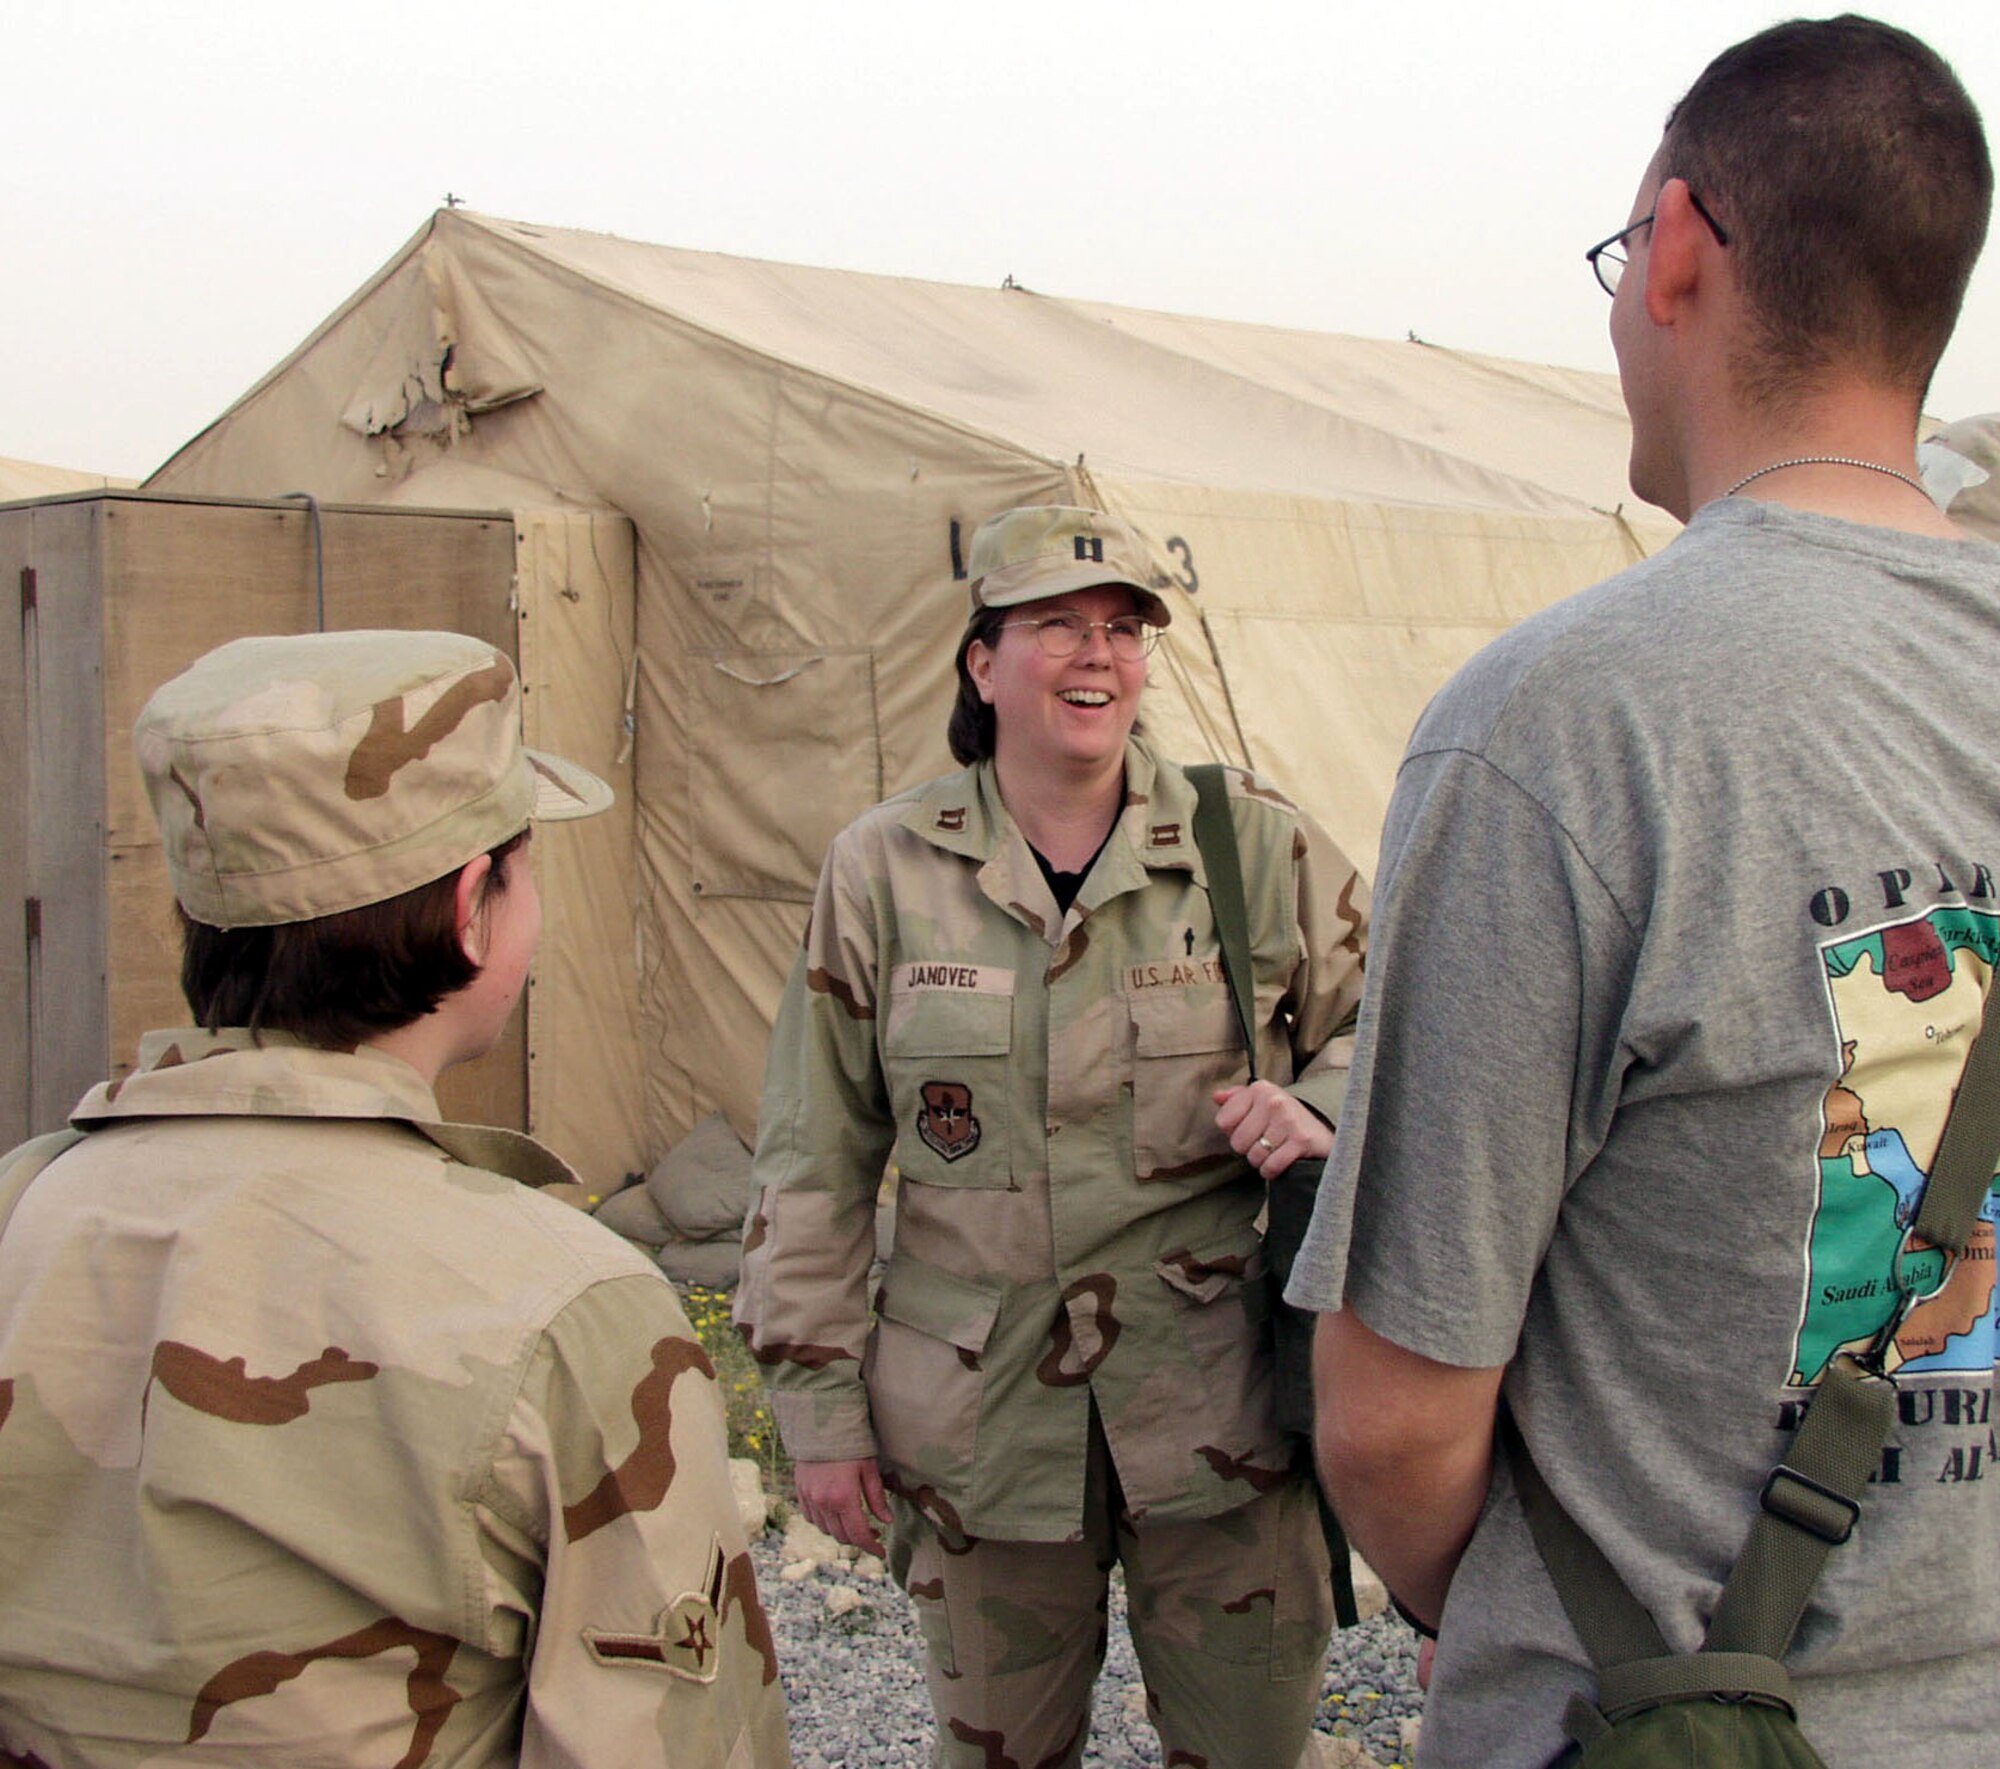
(1608, 261)
(1064, 635)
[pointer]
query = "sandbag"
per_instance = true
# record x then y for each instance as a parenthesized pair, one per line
(702, 1184)
(715, 1265)
(633, 1214)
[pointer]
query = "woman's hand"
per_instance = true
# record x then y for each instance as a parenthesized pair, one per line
(845, 1499)
(1269, 1128)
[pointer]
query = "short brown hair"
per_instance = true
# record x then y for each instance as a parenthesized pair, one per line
(1851, 172)
(338, 979)
(972, 731)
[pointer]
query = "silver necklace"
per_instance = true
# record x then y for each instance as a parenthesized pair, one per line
(1826, 461)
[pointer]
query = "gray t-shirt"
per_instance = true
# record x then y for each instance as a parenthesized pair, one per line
(1687, 908)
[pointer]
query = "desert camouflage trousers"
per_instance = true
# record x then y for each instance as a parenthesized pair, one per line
(1230, 1617)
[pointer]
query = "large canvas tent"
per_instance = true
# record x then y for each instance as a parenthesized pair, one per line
(803, 455)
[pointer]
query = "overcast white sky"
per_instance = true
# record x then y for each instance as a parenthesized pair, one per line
(195, 184)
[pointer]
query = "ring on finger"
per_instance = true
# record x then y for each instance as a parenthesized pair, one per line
(1266, 1144)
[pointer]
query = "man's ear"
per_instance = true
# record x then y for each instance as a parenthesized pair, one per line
(1674, 255)
(469, 907)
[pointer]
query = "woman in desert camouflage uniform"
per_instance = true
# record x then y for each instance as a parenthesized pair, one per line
(1012, 982)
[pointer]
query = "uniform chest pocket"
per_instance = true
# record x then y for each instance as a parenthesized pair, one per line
(947, 1055)
(1185, 1044)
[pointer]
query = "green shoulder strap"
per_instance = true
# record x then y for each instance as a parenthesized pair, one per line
(1215, 837)
(1810, 1502)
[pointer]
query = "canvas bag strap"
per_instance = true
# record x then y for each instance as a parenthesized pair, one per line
(1962, 1174)
(1613, 1625)
(1808, 1508)
(1635, 1667)
(1215, 838)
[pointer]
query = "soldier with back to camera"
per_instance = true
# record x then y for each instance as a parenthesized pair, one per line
(1687, 913)
(323, 1437)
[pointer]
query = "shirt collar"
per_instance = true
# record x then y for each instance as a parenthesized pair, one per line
(192, 1073)
(963, 814)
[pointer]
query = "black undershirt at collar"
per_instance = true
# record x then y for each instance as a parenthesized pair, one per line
(1065, 885)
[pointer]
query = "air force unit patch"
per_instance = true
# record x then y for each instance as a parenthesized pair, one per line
(946, 1123)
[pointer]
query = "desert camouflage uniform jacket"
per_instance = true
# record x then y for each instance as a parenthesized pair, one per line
(1070, 1224)
(321, 1443)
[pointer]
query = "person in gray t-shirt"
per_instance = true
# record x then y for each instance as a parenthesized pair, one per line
(1688, 904)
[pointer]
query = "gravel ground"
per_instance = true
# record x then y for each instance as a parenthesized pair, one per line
(853, 1674)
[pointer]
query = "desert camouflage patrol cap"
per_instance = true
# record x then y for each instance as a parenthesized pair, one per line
(1042, 550)
(299, 776)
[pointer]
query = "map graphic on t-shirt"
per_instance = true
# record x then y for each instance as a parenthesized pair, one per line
(1907, 999)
